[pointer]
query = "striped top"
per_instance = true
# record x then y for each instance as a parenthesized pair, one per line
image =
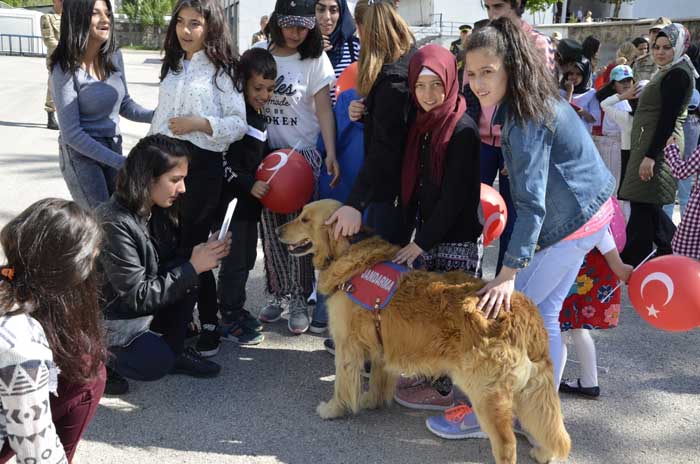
(347, 59)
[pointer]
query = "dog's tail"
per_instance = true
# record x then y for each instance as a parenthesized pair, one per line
(538, 408)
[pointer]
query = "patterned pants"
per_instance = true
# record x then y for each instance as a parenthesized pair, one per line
(284, 273)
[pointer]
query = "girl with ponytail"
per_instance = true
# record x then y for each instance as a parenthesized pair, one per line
(560, 188)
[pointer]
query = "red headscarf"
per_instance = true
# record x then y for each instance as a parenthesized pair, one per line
(440, 122)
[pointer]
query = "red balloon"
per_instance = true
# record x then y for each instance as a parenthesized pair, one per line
(665, 292)
(347, 79)
(495, 213)
(291, 181)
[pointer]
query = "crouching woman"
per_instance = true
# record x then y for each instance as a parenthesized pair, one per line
(147, 288)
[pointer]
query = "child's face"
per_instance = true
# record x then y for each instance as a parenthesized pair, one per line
(191, 30)
(487, 76)
(258, 91)
(430, 92)
(623, 85)
(294, 36)
(575, 76)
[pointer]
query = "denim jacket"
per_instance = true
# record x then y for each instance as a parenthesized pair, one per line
(557, 179)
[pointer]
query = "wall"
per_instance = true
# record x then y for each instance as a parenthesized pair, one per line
(128, 33)
(249, 12)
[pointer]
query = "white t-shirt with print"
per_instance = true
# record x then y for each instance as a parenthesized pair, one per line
(291, 114)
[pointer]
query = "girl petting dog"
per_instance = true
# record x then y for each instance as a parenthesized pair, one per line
(440, 190)
(560, 187)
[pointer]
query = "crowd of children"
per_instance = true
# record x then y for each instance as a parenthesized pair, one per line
(405, 151)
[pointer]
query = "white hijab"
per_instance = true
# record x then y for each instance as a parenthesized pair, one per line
(679, 37)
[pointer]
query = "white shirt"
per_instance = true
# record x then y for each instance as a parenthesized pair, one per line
(291, 114)
(619, 112)
(193, 92)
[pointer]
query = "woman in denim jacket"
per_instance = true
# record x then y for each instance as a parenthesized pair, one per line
(560, 187)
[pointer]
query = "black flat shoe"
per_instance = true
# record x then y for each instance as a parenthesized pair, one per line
(588, 392)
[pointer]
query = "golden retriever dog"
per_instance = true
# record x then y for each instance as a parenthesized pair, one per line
(431, 327)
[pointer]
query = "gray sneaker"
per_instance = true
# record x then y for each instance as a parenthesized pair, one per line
(298, 316)
(273, 311)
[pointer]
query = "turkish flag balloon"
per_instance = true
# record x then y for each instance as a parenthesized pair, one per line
(665, 292)
(495, 213)
(347, 79)
(290, 178)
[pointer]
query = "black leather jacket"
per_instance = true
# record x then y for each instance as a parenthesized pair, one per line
(134, 285)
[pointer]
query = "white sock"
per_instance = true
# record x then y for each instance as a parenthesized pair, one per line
(564, 355)
(585, 351)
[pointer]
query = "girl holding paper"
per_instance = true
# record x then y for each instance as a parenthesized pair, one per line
(148, 287)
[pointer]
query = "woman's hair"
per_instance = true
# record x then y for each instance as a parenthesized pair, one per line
(590, 47)
(256, 61)
(531, 88)
(217, 43)
(151, 157)
(50, 249)
(627, 51)
(75, 34)
(311, 47)
(386, 37)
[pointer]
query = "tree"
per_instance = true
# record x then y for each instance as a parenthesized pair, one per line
(618, 5)
(535, 6)
(147, 12)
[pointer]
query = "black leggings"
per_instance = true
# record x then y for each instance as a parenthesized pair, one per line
(198, 211)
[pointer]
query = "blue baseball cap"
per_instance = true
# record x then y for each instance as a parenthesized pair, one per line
(621, 72)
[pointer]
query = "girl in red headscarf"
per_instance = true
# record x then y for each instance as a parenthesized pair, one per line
(440, 190)
(440, 184)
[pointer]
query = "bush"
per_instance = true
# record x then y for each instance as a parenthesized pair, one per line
(147, 12)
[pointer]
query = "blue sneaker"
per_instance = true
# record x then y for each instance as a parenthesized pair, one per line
(456, 423)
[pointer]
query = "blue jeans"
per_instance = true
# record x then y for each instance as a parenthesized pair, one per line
(492, 164)
(548, 280)
(89, 182)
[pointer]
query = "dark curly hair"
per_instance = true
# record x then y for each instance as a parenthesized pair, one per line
(51, 248)
(217, 43)
(531, 88)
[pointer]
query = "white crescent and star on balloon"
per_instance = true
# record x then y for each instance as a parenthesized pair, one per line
(666, 280)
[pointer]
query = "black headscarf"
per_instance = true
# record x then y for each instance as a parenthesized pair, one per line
(343, 31)
(583, 65)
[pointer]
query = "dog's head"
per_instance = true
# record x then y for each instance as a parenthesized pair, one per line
(309, 234)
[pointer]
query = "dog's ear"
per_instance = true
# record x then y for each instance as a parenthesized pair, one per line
(323, 254)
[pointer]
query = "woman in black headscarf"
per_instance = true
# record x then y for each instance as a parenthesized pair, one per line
(339, 40)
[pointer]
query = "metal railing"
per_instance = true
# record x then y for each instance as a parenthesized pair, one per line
(436, 29)
(24, 45)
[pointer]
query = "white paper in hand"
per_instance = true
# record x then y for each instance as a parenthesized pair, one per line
(227, 219)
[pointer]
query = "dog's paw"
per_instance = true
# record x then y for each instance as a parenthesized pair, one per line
(541, 455)
(330, 410)
(370, 401)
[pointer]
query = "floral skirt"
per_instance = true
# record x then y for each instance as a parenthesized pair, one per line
(584, 307)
